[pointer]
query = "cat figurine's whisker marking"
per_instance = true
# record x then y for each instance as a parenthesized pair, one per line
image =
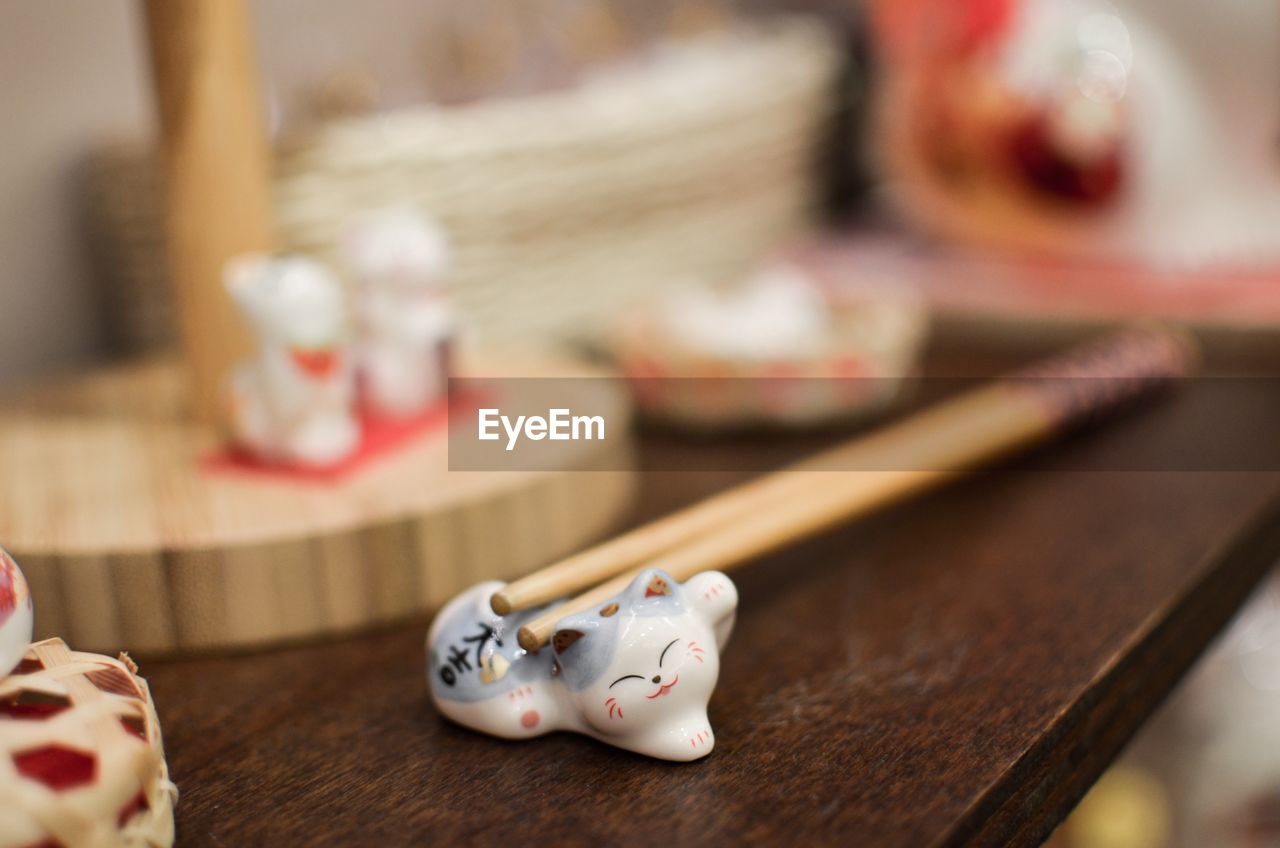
(632, 673)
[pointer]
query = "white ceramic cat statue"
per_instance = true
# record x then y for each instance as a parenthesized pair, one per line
(294, 402)
(15, 614)
(398, 259)
(635, 672)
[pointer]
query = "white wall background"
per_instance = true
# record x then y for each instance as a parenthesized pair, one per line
(74, 72)
(69, 71)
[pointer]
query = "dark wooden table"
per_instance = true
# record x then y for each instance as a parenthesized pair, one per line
(957, 670)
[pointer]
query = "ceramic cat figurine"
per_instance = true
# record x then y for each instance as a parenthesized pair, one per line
(397, 260)
(293, 403)
(15, 614)
(635, 672)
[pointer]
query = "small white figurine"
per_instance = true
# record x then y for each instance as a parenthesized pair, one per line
(636, 672)
(294, 402)
(397, 260)
(777, 313)
(15, 614)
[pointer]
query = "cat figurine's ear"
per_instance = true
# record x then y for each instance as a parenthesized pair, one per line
(711, 595)
(583, 644)
(564, 639)
(656, 584)
(653, 592)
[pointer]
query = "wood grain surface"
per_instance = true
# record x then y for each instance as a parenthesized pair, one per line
(955, 671)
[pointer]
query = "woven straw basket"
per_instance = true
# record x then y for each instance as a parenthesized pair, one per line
(562, 207)
(81, 760)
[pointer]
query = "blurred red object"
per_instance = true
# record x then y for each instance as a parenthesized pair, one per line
(1084, 129)
(915, 30)
(953, 121)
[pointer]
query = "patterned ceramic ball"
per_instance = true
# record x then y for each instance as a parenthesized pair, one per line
(15, 614)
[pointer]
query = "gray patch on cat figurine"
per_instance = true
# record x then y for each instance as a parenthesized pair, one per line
(476, 637)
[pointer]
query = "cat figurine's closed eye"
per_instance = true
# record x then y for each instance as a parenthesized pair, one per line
(635, 672)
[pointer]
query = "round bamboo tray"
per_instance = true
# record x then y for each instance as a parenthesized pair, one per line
(129, 543)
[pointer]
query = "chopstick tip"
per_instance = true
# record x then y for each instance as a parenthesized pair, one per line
(501, 604)
(528, 639)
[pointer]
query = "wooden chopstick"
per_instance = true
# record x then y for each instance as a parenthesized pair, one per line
(920, 452)
(608, 558)
(823, 498)
(910, 442)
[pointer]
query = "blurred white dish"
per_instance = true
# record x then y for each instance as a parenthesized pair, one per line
(780, 350)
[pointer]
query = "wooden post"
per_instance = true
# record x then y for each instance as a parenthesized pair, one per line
(217, 174)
